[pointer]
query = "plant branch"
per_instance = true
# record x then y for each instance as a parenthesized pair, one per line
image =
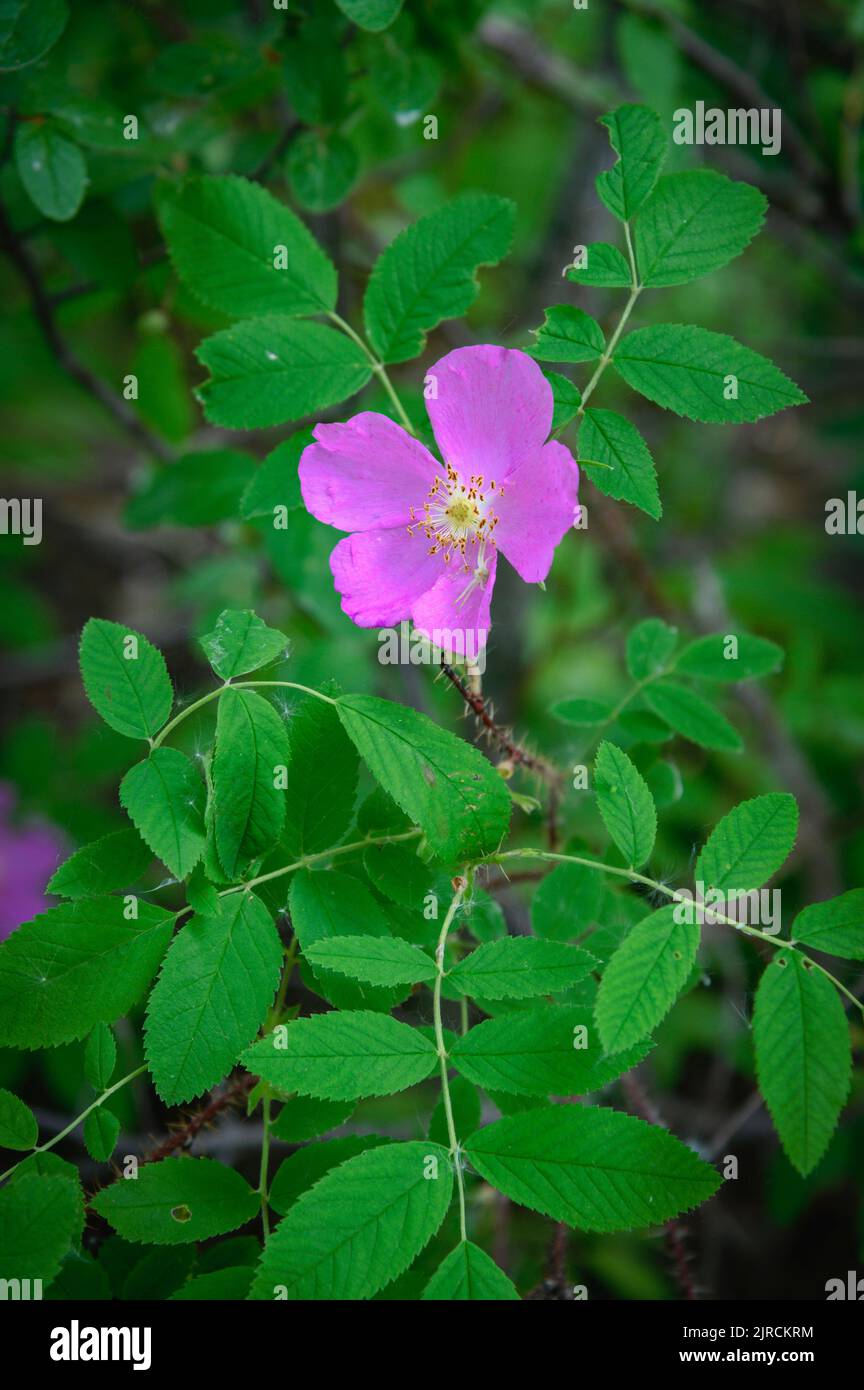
(43, 308)
(94, 1105)
(460, 885)
(378, 368)
(675, 895)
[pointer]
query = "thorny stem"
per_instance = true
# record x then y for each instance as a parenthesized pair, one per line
(94, 1105)
(378, 368)
(635, 291)
(514, 751)
(460, 885)
(675, 895)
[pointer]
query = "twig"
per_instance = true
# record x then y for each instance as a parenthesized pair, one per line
(185, 1133)
(675, 1234)
(499, 735)
(92, 384)
(739, 82)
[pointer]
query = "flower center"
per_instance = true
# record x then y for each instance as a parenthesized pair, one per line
(458, 514)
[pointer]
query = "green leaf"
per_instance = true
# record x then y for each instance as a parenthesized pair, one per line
(567, 902)
(693, 223)
(604, 266)
(216, 984)
(376, 960)
(566, 399)
(520, 966)
(275, 487)
(240, 643)
(803, 1057)
(322, 169)
(628, 474)
(400, 874)
(691, 716)
(305, 1117)
(636, 136)
(625, 804)
(52, 169)
(243, 252)
(112, 862)
(101, 1132)
(270, 370)
(199, 489)
(468, 1274)
(404, 80)
(324, 769)
(305, 1167)
(359, 1227)
(567, 334)
(164, 798)
(229, 1285)
(551, 1050)
(75, 966)
(441, 782)
(373, 15)
(650, 645)
(582, 713)
(176, 1201)
(749, 844)
(835, 926)
(251, 747)
(18, 1127)
(644, 977)
(343, 1056)
(326, 904)
(428, 273)
(100, 1057)
(28, 28)
(729, 657)
(596, 1169)
(703, 375)
(638, 724)
(40, 1219)
(125, 678)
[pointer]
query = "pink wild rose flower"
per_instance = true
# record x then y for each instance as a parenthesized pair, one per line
(29, 854)
(424, 538)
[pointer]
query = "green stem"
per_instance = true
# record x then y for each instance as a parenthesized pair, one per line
(220, 690)
(635, 291)
(675, 895)
(378, 368)
(442, 1051)
(316, 859)
(265, 1160)
(94, 1105)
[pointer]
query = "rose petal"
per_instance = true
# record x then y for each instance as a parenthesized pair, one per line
(493, 408)
(461, 628)
(380, 574)
(537, 510)
(365, 474)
